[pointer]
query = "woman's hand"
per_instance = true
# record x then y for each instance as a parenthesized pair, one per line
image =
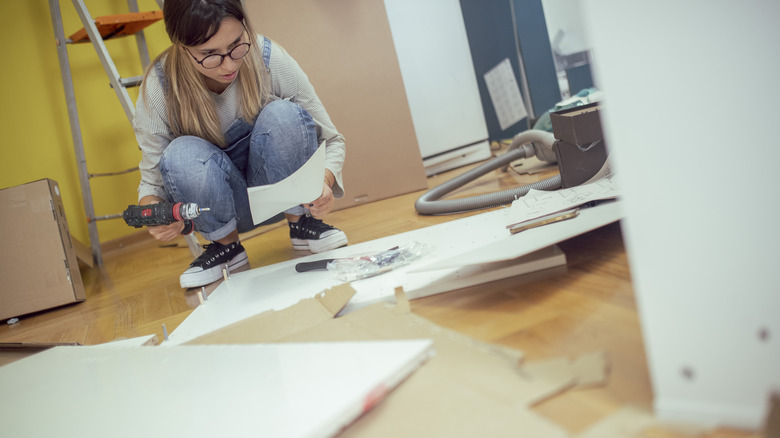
(164, 233)
(324, 204)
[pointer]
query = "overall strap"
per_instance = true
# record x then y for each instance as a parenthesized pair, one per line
(267, 53)
(158, 70)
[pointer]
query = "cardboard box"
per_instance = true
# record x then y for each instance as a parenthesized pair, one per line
(38, 266)
(579, 126)
(579, 146)
(576, 165)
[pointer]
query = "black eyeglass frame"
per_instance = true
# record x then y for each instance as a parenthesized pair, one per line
(222, 57)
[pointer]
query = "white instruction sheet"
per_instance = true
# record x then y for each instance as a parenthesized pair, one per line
(538, 203)
(505, 94)
(302, 187)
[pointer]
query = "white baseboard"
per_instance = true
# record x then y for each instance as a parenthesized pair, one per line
(457, 158)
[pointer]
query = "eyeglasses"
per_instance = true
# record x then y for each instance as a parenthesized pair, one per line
(215, 60)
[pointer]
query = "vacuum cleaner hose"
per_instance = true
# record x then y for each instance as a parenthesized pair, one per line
(431, 204)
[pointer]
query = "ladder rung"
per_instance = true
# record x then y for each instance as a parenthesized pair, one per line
(112, 26)
(121, 172)
(130, 82)
(103, 218)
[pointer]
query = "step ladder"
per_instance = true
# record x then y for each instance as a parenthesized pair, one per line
(96, 31)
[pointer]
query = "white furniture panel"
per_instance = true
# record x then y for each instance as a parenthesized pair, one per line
(274, 390)
(690, 116)
(438, 74)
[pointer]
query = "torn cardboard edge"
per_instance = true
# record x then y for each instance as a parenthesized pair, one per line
(468, 388)
(585, 371)
(83, 253)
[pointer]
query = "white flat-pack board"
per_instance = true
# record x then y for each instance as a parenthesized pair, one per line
(483, 247)
(290, 390)
(703, 254)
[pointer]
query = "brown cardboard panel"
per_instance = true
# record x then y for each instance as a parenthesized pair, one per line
(628, 422)
(638, 422)
(346, 49)
(591, 369)
(557, 372)
(273, 325)
(469, 388)
(38, 264)
(429, 404)
(587, 370)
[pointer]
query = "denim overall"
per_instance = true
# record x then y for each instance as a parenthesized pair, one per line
(281, 139)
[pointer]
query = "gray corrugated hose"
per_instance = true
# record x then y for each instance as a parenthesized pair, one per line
(521, 147)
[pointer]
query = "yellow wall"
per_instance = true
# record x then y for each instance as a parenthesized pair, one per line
(36, 137)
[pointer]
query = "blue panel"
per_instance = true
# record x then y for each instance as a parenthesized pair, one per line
(491, 39)
(537, 55)
(580, 78)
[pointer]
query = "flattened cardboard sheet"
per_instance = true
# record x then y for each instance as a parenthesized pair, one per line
(469, 388)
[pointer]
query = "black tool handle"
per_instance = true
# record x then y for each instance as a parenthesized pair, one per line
(162, 213)
(188, 228)
(313, 266)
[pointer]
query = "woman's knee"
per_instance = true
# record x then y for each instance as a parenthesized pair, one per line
(282, 112)
(184, 151)
(284, 126)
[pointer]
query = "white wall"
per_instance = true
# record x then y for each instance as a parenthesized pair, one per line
(691, 115)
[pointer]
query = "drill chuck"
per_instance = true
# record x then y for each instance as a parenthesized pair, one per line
(188, 210)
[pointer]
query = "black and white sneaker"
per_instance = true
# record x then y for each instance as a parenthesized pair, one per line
(310, 234)
(207, 268)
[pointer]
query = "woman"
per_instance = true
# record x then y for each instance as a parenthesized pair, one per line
(221, 110)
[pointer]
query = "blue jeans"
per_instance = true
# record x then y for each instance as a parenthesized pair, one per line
(280, 141)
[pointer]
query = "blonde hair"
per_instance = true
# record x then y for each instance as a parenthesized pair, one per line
(190, 108)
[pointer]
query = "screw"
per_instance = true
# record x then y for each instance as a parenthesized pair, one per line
(763, 334)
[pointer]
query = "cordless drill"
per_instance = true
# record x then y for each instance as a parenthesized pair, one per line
(163, 213)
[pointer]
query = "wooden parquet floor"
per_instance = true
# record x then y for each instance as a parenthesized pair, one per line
(589, 307)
